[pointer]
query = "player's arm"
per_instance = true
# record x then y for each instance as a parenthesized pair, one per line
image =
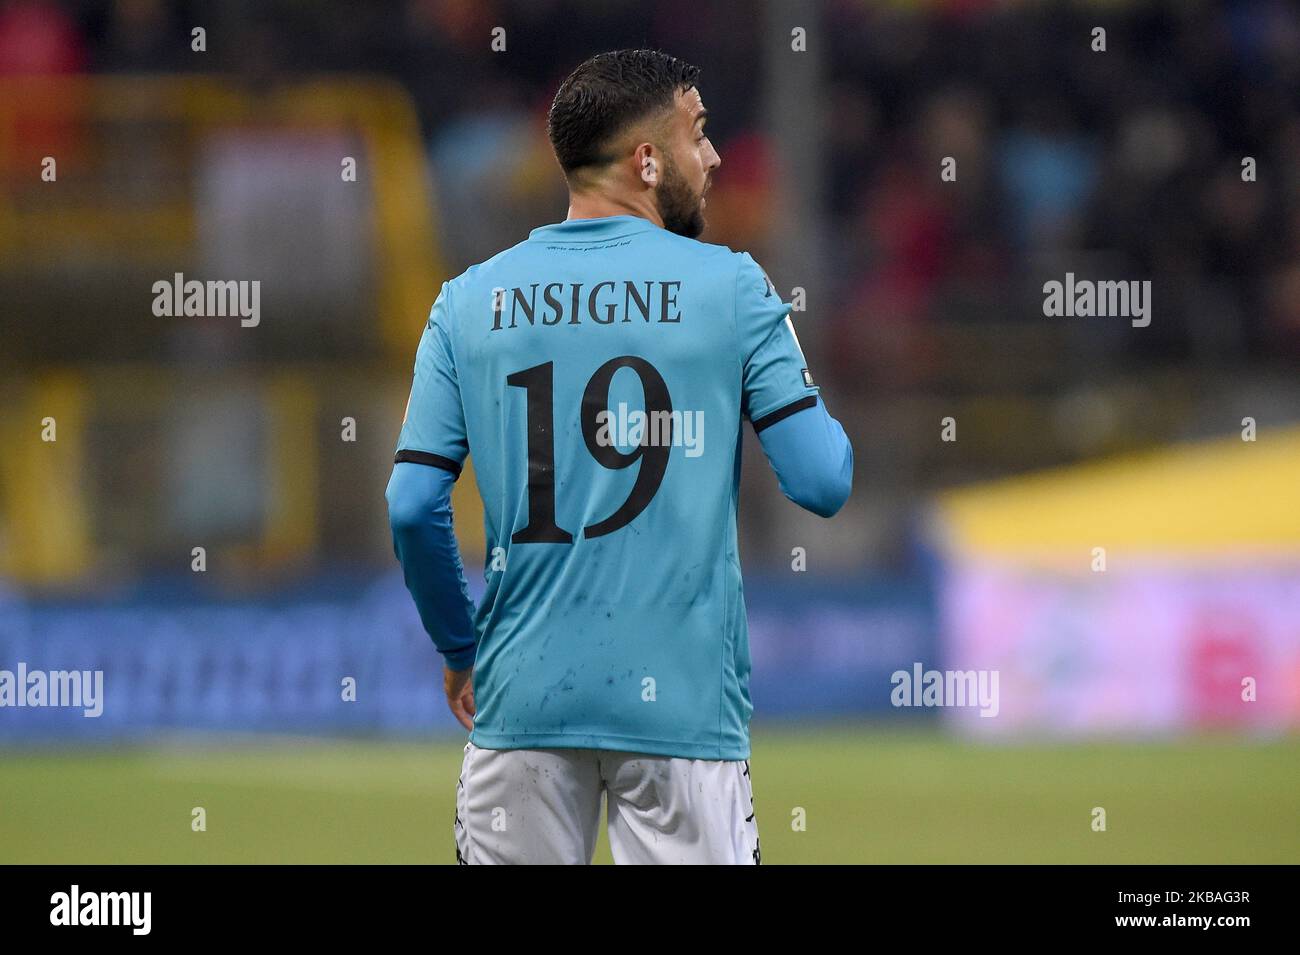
(805, 446)
(419, 513)
(430, 453)
(811, 456)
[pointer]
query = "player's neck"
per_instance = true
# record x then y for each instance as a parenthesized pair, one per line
(590, 206)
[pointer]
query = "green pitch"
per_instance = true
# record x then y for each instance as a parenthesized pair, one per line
(866, 795)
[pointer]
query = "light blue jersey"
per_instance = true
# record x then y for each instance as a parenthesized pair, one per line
(599, 373)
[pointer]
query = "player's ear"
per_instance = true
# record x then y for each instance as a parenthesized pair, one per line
(648, 167)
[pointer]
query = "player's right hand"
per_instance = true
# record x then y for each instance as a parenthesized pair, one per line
(459, 686)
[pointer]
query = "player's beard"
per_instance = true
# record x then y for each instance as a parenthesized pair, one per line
(679, 206)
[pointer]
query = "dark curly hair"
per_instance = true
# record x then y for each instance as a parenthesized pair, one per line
(606, 95)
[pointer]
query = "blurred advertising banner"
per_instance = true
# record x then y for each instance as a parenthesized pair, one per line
(1157, 649)
(1154, 594)
(342, 655)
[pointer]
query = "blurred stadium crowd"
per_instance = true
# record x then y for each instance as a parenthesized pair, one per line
(1126, 164)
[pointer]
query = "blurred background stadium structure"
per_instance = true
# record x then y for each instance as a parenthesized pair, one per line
(923, 302)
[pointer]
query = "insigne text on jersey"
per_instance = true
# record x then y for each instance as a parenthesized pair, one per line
(604, 303)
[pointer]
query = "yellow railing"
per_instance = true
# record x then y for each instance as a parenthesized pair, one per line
(67, 120)
(91, 127)
(51, 505)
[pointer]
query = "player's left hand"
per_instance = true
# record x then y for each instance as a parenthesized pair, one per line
(459, 686)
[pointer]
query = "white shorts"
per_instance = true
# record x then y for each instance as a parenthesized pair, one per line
(542, 806)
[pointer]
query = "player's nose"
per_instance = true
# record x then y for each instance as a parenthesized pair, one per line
(712, 160)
